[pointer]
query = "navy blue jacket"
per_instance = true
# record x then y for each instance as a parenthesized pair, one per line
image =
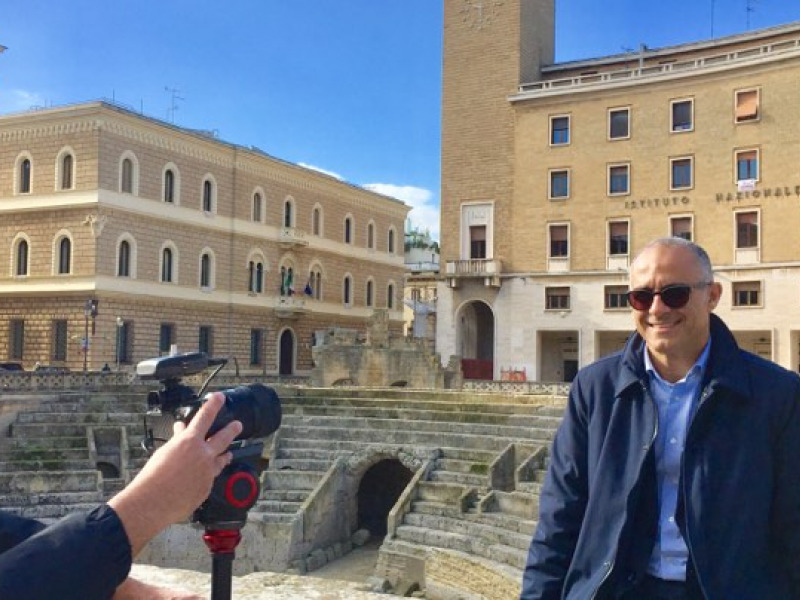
(82, 557)
(739, 489)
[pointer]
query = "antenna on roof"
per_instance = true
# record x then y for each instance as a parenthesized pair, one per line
(749, 8)
(173, 105)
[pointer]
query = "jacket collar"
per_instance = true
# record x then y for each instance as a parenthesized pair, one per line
(724, 367)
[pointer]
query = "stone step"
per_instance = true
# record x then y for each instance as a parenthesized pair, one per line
(301, 464)
(409, 397)
(54, 464)
(33, 482)
(32, 452)
(271, 517)
(47, 512)
(283, 452)
(287, 496)
(463, 466)
(467, 479)
(468, 544)
(471, 528)
(498, 520)
(112, 486)
(530, 487)
(287, 441)
(24, 499)
(444, 493)
(51, 443)
(87, 418)
(276, 507)
(290, 479)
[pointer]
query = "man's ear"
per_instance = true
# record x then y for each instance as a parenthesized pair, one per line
(714, 293)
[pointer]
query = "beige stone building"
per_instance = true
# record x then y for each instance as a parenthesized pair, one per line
(555, 174)
(176, 238)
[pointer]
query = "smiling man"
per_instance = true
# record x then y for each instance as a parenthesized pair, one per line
(675, 474)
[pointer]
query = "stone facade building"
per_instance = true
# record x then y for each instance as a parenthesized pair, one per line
(122, 236)
(555, 174)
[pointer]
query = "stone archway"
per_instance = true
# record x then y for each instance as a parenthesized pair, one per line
(286, 353)
(476, 331)
(379, 489)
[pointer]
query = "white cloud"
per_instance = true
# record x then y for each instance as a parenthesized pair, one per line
(19, 100)
(424, 211)
(321, 170)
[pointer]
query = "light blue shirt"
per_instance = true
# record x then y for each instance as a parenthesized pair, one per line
(676, 404)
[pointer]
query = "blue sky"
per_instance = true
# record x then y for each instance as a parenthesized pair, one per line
(349, 87)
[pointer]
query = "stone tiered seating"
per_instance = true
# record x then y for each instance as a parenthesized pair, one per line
(57, 458)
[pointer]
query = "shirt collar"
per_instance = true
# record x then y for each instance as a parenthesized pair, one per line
(697, 368)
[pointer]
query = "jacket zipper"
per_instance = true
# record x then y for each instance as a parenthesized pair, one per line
(646, 449)
(704, 396)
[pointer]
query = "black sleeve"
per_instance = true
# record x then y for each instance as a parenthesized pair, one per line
(14, 530)
(81, 557)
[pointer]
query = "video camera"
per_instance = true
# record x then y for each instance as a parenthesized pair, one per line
(256, 406)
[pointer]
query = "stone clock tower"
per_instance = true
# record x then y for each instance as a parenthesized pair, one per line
(490, 47)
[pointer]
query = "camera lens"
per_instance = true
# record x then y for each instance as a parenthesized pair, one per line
(256, 406)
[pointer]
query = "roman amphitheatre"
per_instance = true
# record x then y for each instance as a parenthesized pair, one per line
(442, 484)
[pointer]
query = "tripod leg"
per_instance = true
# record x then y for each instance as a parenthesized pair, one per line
(221, 576)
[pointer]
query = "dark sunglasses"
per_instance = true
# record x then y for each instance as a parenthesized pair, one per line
(674, 296)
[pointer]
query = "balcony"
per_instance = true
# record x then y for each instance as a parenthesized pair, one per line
(291, 237)
(290, 307)
(487, 269)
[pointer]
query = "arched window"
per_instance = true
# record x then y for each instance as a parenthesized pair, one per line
(390, 296)
(318, 285)
(124, 259)
(371, 235)
(169, 186)
(206, 267)
(255, 277)
(347, 291)
(348, 230)
(126, 182)
(64, 256)
(66, 172)
(316, 221)
(25, 176)
(390, 243)
(369, 293)
(287, 213)
(22, 258)
(208, 196)
(257, 200)
(166, 265)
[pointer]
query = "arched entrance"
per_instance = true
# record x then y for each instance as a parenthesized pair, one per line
(379, 489)
(286, 353)
(476, 340)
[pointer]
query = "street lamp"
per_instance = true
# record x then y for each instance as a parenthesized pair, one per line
(120, 325)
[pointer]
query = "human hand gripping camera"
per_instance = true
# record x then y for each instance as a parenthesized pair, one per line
(249, 412)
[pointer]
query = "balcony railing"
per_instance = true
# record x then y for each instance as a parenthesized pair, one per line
(290, 307)
(290, 237)
(488, 269)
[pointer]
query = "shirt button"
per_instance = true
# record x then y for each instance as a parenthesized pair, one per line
(671, 519)
(673, 441)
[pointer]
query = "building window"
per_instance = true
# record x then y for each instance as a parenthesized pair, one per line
(619, 124)
(559, 130)
(747, 293)
(16, 339)
(208, 196)
(257, 208)
(559, 184)
(390, 296)
(124, 260)
(59, 342)
(371, 236)
(204, 339)
(477, 241)
(747, 106)
(67, 163)
(559, 241)
(369, 297)
(681, 227)
(618, 180)
(206, 270)
(682, 115)
(747, 229)
(348, 230)
(166, 337)
(123, 348)
(615, 296)
(21, 268)
(316, 221)
(556, 298)
(64, 256)
(347, 291)
(126, 182)
(256, 346)
(166, 265)
(255, 277)
(169, 186)
(390, 241)
(747, 165)
(314, 285)
(25, 176)
(288, 214)
(618, 235)
(680, 173)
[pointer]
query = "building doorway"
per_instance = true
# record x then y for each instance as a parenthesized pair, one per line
(286, 353)
(476, 340)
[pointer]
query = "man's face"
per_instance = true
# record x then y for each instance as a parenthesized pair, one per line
(675, 337)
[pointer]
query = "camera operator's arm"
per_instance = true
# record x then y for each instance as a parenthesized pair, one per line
(177, 478)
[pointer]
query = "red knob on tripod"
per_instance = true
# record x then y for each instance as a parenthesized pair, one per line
(241, 490)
